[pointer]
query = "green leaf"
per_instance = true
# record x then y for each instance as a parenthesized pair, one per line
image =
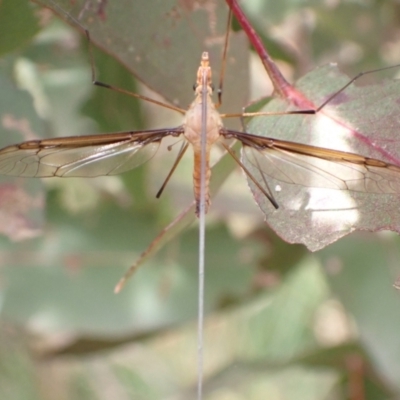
(313, 209)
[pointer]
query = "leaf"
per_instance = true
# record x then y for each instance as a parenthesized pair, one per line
(17, 24)
(361, 271)
(359, 120)
(70, 275)
(161, 43)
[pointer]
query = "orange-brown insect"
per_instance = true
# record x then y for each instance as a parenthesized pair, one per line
(115, 153)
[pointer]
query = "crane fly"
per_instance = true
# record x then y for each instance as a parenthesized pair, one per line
(115, 153)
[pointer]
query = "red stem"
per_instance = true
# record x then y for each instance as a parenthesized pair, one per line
(281, 85)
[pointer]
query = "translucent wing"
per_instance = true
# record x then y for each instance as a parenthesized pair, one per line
(312, 166)
(82, 156)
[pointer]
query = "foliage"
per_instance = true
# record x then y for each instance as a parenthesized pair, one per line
(281, 322)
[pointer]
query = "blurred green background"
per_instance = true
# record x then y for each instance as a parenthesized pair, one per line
(281, 322)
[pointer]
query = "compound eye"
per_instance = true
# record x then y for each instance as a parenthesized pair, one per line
(194, 87)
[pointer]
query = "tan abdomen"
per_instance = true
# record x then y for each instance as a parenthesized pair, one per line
(197, 180)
